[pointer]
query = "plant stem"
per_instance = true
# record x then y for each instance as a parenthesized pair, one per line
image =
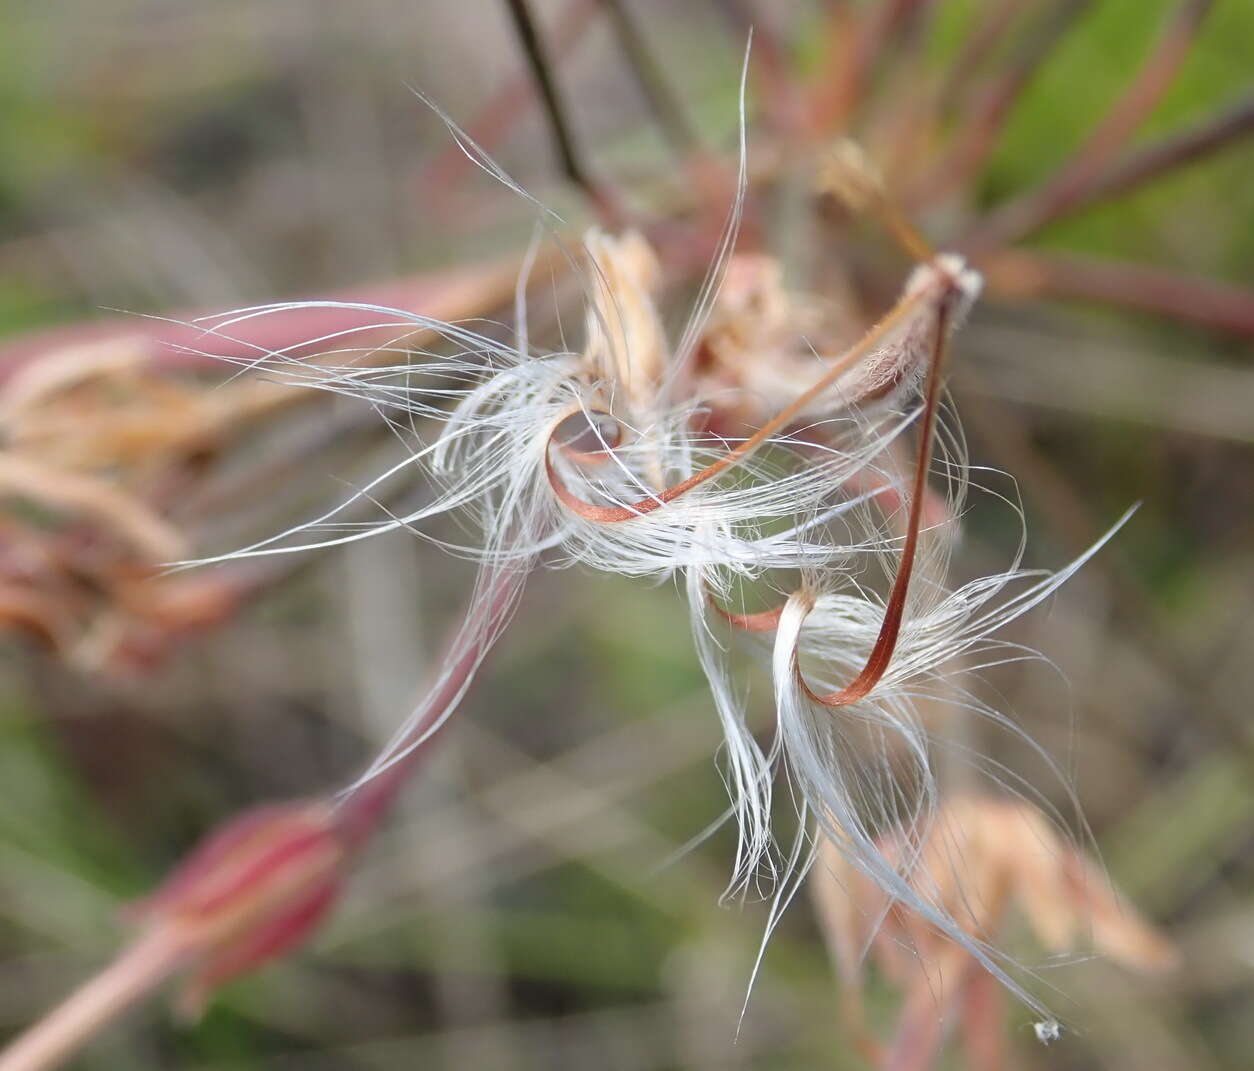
(1156, 159)
(563, 133)
(666, 107)
(1214, 305)
(62, 1031)
(985, 117)
(450, 294)
(503, 107)
(1069, 184)
(364, 804)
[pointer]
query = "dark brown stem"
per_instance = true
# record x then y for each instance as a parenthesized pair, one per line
(563, 134)
(505, 105)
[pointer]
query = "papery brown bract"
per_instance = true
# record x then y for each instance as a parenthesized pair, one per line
(987, 860)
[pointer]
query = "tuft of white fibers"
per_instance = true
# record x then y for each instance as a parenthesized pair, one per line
(605, 457)
(1047, 1030)
(863, 770)
(479, 419)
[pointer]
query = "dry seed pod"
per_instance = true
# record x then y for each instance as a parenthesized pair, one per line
(626, 344)
(758, 340)
(895, 369)
(851, 177)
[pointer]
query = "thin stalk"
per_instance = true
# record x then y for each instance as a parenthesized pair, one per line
(505, 105)
(855, 49)
(1158, 158)
(359, 813)
(665, 105)
(364, 804)
(987, 33)
(1206, 303)
(986, 116)
(560, 128)
(64, 1030)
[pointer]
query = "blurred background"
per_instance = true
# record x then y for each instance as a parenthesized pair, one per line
(524, 909)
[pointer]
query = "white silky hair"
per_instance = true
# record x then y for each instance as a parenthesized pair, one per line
(498, 403)
(478, 416)
(486, 456)
(864, 770)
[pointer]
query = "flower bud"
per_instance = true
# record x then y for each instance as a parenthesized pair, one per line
(248, 893)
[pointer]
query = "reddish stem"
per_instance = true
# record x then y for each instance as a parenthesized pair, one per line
(925, 1019)
(854, 49)
(985, 118)
(760, 621)
(983, 1019)
(890, 628)
(1213, 305)
(1156, 159)
(448, 294)
(1031, 210)
(987, 33)
(363, 806)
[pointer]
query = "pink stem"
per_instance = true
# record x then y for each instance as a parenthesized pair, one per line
(364, 804)
(984, 1023)
(452, 293)
(138, 969)
(1214, 305)
(1070, 185)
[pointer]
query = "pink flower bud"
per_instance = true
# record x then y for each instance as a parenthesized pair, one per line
(248, 893)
